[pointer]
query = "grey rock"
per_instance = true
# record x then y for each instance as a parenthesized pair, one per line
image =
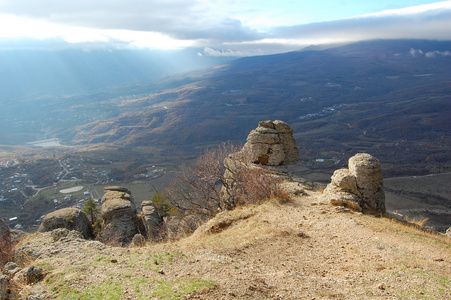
(119, 213)
(10, 266)
(117, 189)
(272, 143)
(343, 179)
(359, 187)
(29, 275)
(282, 127)
(59, 233)
(70, 218)
(138, 240)
(448, 232)
(151, 219)
(11, 269)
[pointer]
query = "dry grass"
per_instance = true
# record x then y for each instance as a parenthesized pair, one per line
(238, 228)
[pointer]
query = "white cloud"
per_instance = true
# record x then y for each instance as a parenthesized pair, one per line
(209, 24)
(432, 54)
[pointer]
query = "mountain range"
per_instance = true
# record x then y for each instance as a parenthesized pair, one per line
(387, 97)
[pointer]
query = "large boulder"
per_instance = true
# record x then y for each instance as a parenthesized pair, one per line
(272, 143)
(359, 187)
(151, 219)
(119, 214)
(70, 218)
(262, 160)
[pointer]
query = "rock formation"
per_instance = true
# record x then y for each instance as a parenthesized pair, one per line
(272, 143)
(359, 187)
(448, 232)
(151, 219)
(268, 147)
(70, 218)
(48, 244)
(119, 213)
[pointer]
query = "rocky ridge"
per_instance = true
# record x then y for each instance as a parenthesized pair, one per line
(304, 248)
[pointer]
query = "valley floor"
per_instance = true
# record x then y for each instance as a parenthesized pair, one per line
(302, 249)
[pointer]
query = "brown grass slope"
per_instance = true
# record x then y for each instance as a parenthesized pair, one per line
(301, 249)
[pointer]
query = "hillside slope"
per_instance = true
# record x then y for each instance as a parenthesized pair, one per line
(302, 249)
(387, 98)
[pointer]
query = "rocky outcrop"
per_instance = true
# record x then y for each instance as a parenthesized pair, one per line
(54, 244)
(448, 232)
(254, 171)
(272, 143)
(151, 219)
(119, 213)
(70, 218)
(359, 187)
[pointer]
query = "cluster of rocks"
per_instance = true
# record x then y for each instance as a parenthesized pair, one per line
(272, 143)
(122, 224)
(12, 275)
(359, 187)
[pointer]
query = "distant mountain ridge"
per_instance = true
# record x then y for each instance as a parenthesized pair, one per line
(390, 97)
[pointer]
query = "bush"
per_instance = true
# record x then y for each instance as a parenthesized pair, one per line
(6, 248)
(221, 179)
(164, 207)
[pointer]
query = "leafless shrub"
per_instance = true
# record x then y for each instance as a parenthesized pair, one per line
(221, 179)
(197, 190)
(6, 250)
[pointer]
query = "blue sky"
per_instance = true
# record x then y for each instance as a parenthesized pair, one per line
(219, 27)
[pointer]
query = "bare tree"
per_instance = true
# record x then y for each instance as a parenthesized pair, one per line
(197, 190)
(221, 179)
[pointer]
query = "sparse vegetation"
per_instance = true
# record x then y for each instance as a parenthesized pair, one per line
(91, 210)
(6, 250)
(164, 207)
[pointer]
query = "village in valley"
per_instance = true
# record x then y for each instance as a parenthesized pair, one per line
(31, 189)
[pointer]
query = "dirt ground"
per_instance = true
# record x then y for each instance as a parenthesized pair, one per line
(301, 249)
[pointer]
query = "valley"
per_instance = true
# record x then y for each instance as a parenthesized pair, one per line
(382, 97)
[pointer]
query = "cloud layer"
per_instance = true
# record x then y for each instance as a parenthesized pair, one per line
(198, 23)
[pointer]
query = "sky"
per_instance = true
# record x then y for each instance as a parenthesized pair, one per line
(217, 27)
